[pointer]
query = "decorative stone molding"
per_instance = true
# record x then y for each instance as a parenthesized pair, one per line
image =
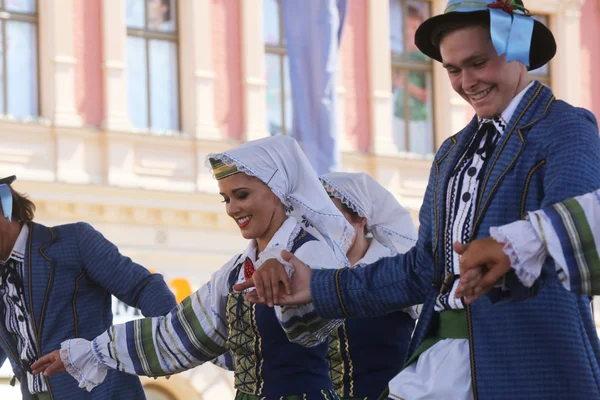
(65, 210)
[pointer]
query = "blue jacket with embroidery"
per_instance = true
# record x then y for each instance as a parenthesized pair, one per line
(544, 347)
(70, 273)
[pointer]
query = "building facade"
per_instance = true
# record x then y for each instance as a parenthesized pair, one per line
(109, 107)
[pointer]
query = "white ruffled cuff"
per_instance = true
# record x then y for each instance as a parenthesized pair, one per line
(524, 248)
(82, 364)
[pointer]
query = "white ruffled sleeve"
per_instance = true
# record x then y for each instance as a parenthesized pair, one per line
(524, 248)
(82, 364)
(194, 332)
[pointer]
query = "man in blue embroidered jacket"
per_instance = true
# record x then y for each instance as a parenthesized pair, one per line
(524, 150)
(56, 284)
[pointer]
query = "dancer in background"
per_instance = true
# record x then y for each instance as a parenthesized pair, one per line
(365, 353)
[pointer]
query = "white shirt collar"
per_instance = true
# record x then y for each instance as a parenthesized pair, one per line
(18, 251)
(278, 242)
(514, 103)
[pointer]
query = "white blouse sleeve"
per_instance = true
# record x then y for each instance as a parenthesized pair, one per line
(524, 248)
(192, 333)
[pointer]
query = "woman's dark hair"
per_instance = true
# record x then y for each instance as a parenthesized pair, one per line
(23, 208)
(353, 215)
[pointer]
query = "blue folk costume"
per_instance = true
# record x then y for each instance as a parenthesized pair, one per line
(216, 320)
(365, 353)
(535, 342)
(57, 282)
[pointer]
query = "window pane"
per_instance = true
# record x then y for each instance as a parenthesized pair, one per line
(137, 82)
(274, 100)
(164, 112)
(287, 96)
(23, 6)
(135, 14)
(420, 125)
(22, 86)
(416, 13)
(418, 110)
(162, 15)
(399, 78)
(396, 31)
(271, 21)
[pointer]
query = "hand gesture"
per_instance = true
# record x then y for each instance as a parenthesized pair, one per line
(49, 364)
(482, 263)
(299, 292)
(269, 280)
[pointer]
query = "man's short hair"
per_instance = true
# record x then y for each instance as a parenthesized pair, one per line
(441, 31)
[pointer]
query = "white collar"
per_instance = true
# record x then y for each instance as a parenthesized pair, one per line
(514, 103)
(375, 251)
(280, 241)
(18, 251)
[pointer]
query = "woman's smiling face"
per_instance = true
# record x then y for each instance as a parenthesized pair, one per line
(257, 211)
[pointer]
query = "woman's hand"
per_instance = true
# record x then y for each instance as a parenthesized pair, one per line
(49, 364)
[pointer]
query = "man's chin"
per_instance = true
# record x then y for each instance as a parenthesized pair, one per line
(485, 112)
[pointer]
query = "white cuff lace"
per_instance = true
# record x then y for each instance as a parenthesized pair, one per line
(524, 248)
(82, 364)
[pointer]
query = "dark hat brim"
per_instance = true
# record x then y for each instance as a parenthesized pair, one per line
(543, 45)
(8, 180)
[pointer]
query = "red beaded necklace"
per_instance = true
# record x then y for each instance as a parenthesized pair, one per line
(248, 268)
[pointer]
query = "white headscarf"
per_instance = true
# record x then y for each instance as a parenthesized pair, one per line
(389, 222)
(279, 162)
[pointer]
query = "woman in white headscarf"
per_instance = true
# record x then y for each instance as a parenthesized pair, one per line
(368, 352)
(276, 199)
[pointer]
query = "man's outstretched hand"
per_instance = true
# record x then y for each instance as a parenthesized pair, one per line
(270, 281)
(297, 292)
